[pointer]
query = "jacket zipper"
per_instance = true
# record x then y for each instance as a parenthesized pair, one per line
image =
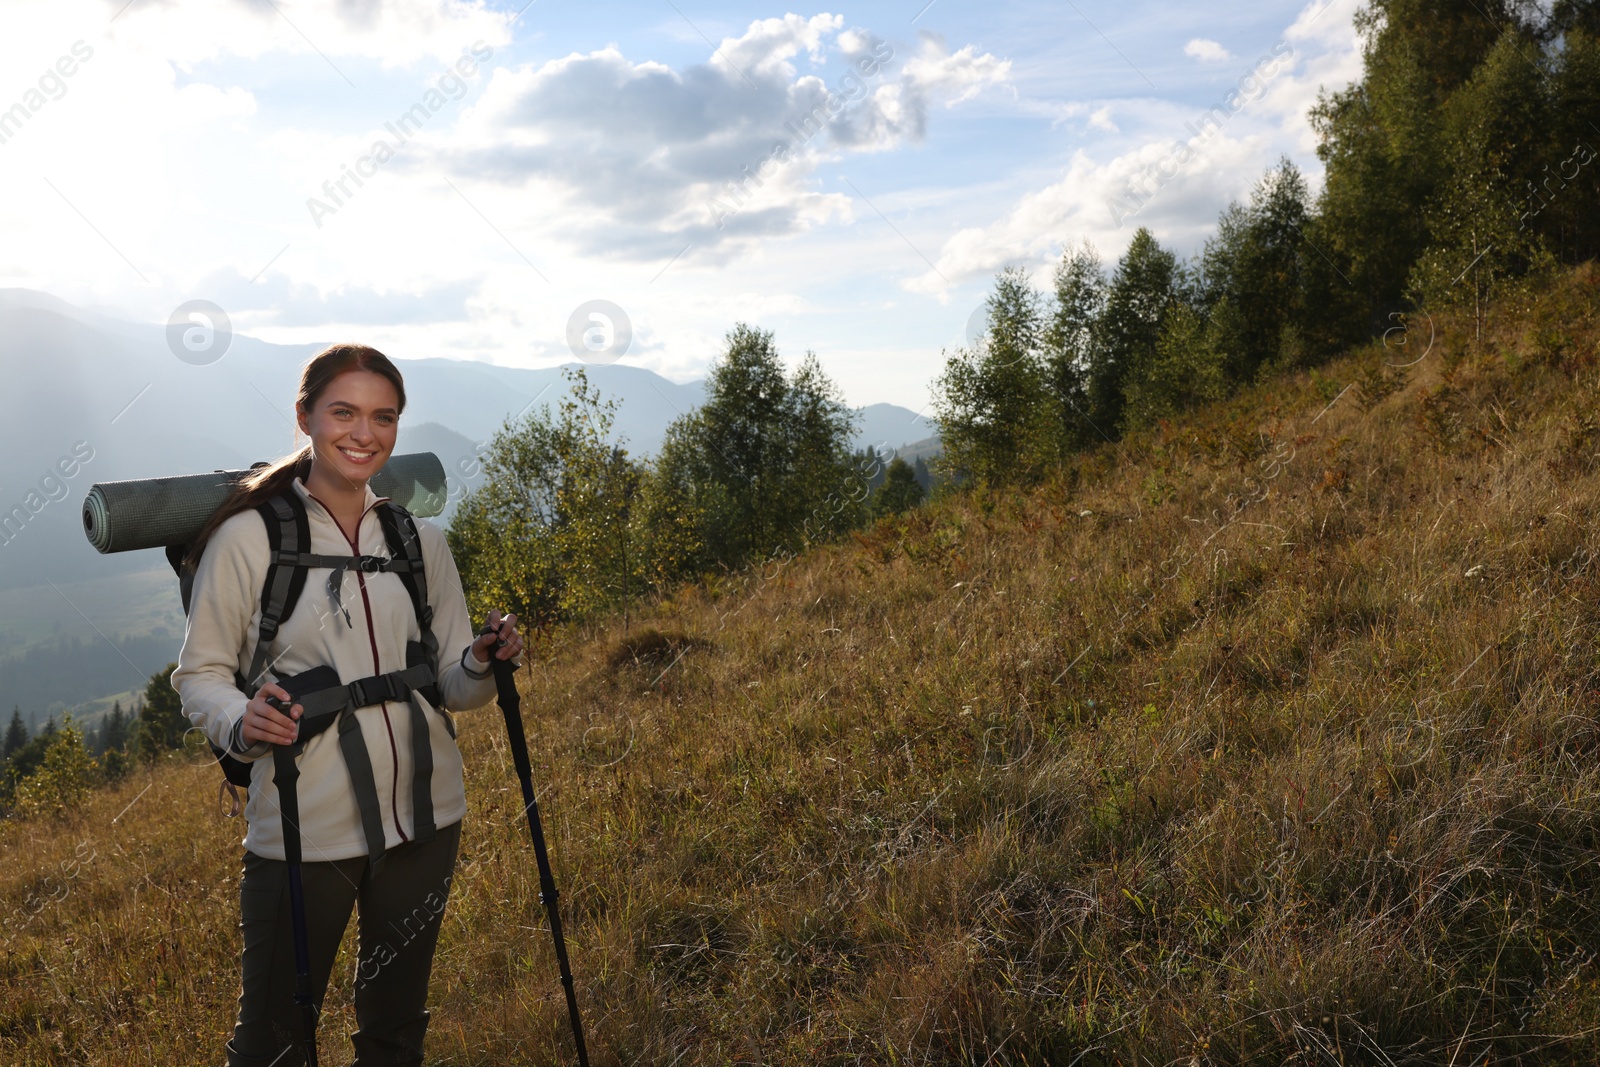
(372, 639)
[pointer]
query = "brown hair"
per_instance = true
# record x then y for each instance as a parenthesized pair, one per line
(263, 483)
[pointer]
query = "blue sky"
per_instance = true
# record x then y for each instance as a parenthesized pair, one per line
(584, 152)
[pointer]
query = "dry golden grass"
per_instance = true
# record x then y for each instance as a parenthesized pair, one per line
(1268, 737)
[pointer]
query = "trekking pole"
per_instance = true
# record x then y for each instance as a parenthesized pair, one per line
(285, 773)
(505, 681)
(302, 966)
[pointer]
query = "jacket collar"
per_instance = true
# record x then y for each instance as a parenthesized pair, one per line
(372, 500)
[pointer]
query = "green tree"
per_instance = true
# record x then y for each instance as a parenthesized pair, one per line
(1253, 277)
(114, 731)
(162, 722)
(1567, 185)
(501, 533)
(1142, 292)
(1478, 251)
(16, 734)
(1502, 115)
(873, 464)
(596, 528)
(1184, 369)
(555, 531)
(997, 417)
(736, 440)
(673, 519)
(828, 482)
(64, 776)
(763, 466)
(114, 764)
(900, 490)
(1382, 139)
(1493, 129)
(1334, 314)
(1569, 17)
(1080, 296)
(24, 761)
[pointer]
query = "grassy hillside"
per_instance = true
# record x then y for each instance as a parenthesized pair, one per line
(1268, 738)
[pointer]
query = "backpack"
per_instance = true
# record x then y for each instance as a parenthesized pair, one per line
(324, 698)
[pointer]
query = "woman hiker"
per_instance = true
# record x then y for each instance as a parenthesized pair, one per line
(367, 835)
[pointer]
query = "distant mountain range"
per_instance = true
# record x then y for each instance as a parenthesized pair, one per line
(114, 391)
(90, 398)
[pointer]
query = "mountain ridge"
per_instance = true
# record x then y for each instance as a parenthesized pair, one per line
(115, 390)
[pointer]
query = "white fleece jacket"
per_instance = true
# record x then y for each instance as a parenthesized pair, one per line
(224, 613)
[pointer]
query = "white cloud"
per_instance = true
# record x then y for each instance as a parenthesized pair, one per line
(897, 110)
(1155, 183)
(1102, 120)
(641, 159)
(1322, 35)
(221, 120)
(935, 72)
(768, 45)
(1207, 51)
(1080, 205)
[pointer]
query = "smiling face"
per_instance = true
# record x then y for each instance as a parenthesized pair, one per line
(352, 424)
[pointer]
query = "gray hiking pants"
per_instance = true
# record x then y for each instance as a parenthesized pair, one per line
(400, 908)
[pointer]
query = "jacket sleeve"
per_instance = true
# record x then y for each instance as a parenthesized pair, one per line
(459, 688)
(218, 637)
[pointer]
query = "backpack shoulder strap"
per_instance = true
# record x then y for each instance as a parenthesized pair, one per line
(175, 554)
(400, 531)
(288, 536)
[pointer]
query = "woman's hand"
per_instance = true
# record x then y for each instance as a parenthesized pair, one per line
(263, 722)
(505, 629)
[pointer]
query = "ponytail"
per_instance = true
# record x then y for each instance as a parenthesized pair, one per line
(255, 488)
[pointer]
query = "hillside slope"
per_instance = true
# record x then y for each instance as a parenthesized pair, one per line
(1269, 737)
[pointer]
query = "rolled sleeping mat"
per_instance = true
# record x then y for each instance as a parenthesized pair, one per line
(156, 512)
